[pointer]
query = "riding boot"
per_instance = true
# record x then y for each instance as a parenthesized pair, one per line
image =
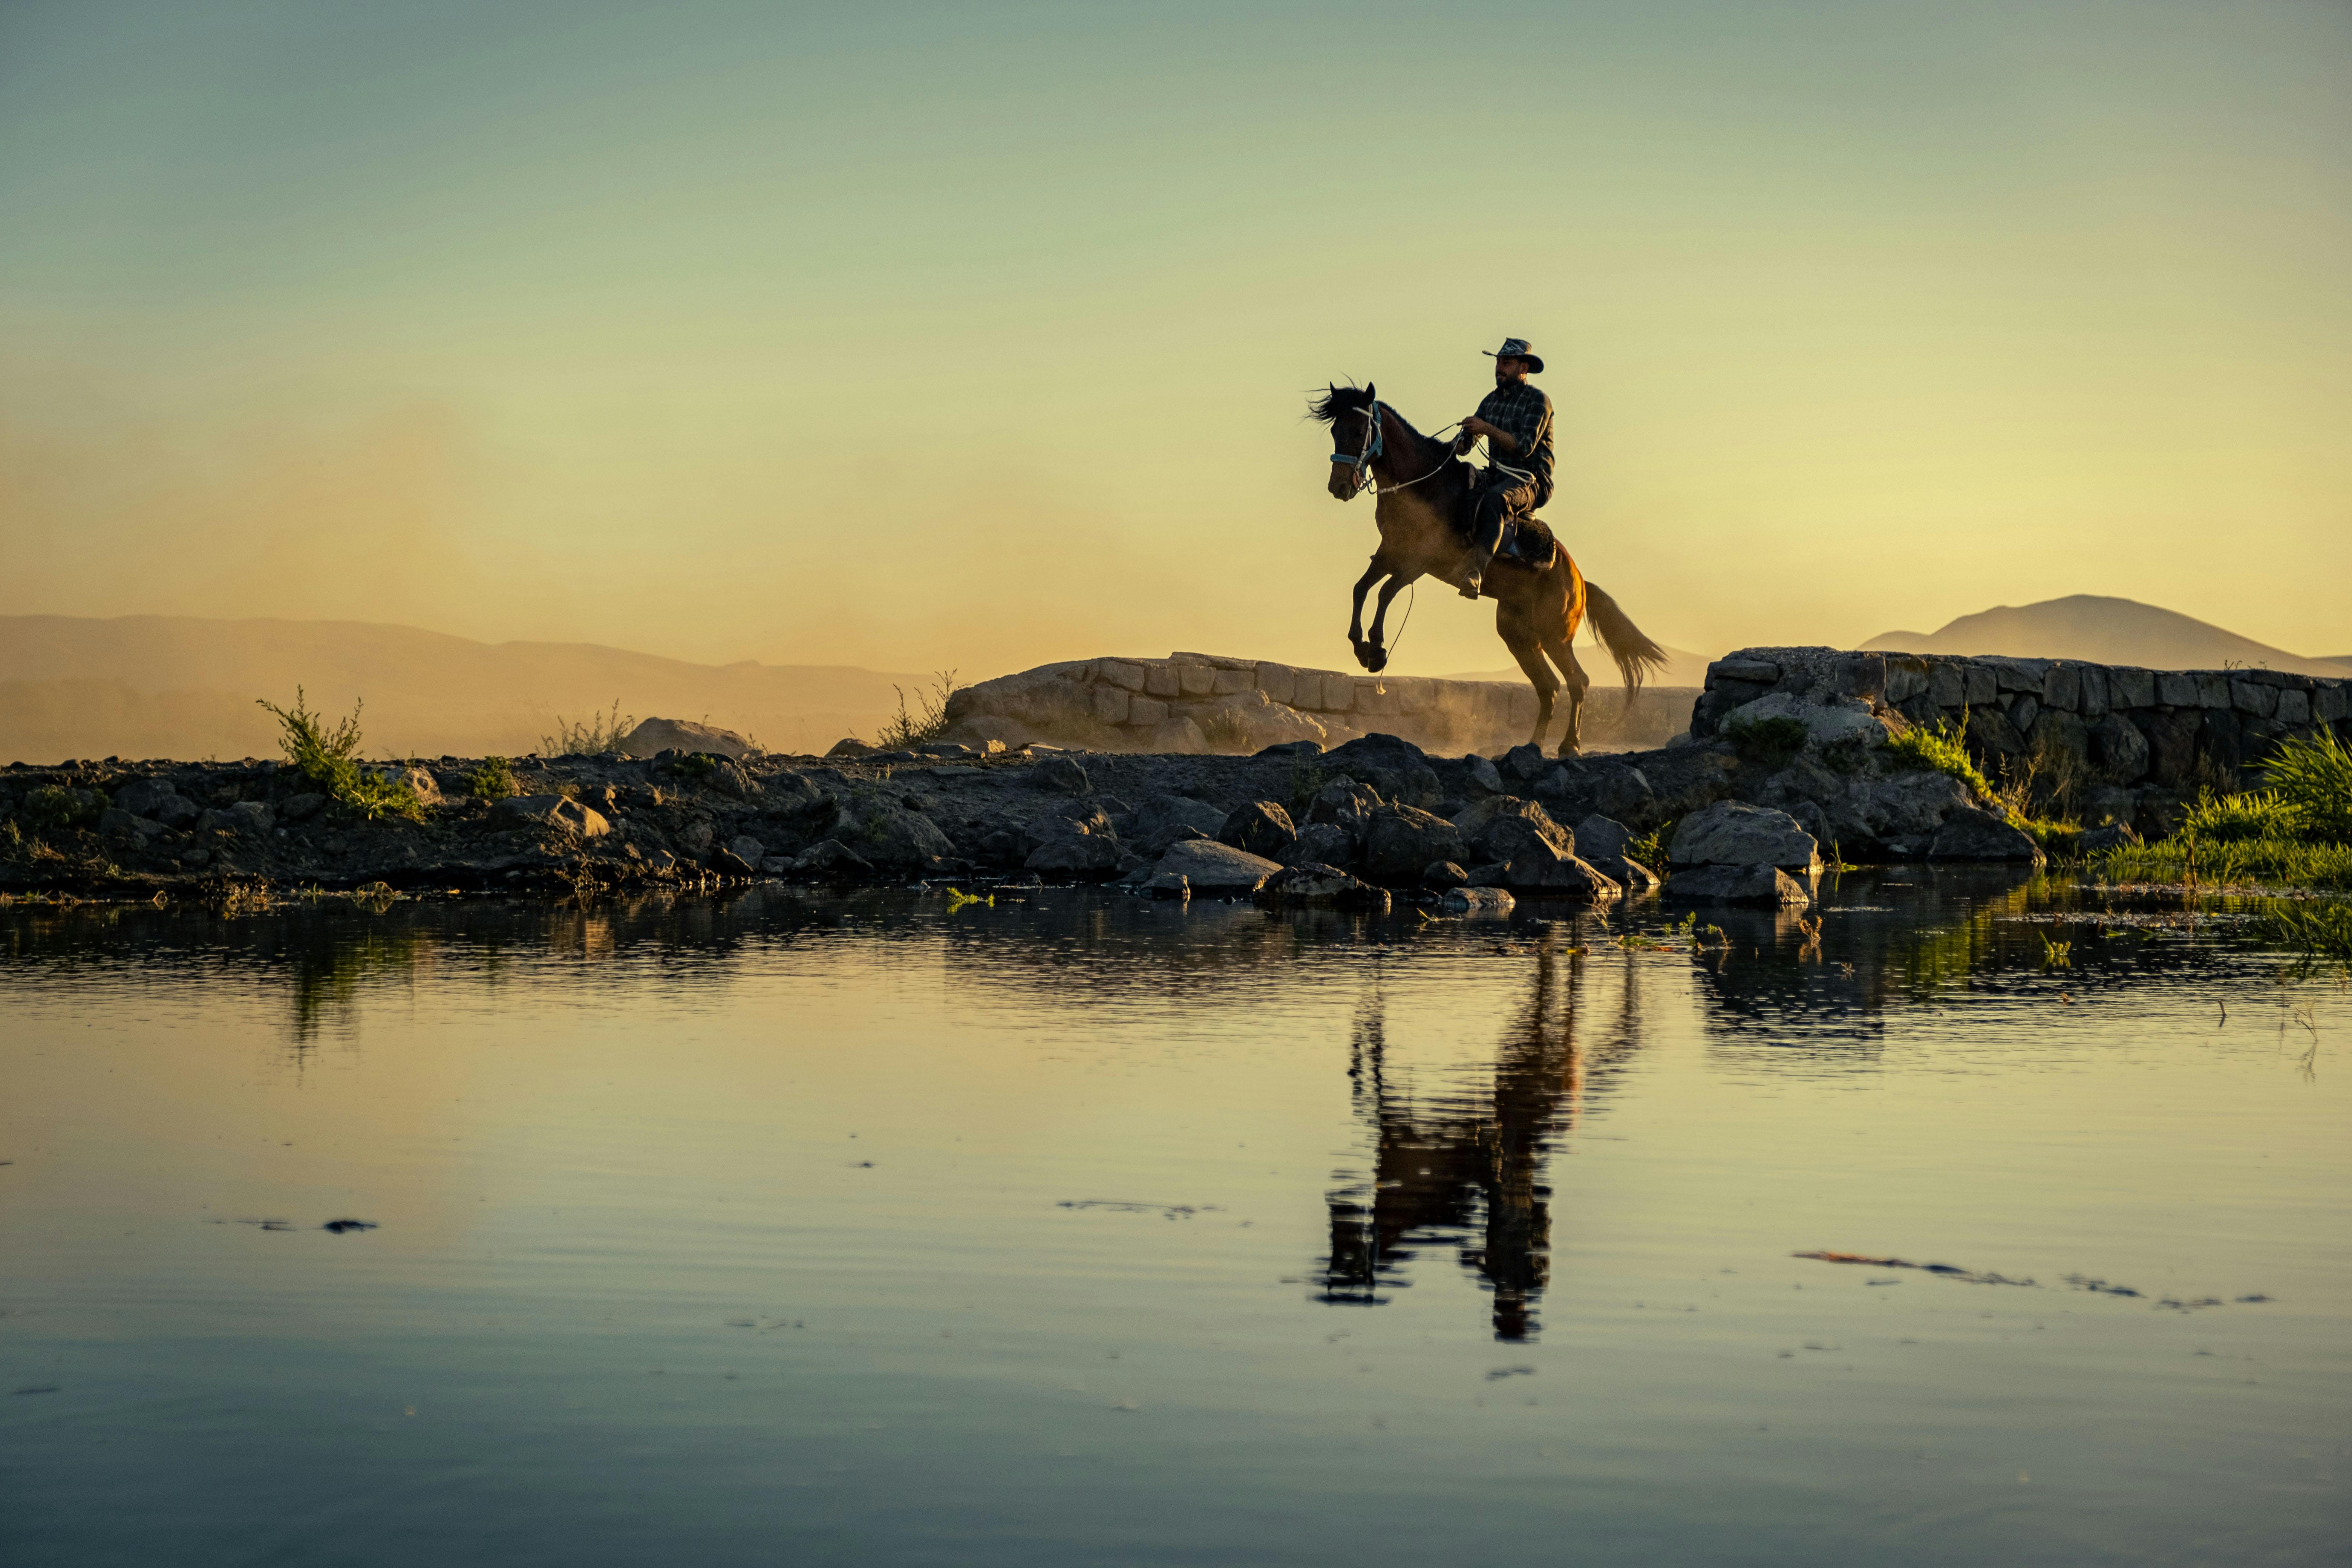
(1485, 535)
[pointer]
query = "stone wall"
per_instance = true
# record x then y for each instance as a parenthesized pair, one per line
(2106, 727)
(1193, 702)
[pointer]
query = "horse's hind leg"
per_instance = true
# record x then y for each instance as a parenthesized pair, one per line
(1563, 654)
(1527, 648)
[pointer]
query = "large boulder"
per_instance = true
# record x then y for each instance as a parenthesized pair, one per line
(831, 860)
(1077, 840)
(1561, 876)
(1213, 868)
(653, 736)
(2119, 750)
(1503, 827)
(1324, 844)
(1981, 835)
(1256, 722)
(1582, 785)
(1603, 844)
(1400, 841)
(1730, 834)
(1059, 774)
(1262, 827)
(1828, 723)
(1314, 885)
(1397, 768)
(1160, 811)
(550, 811)
(158, 799)
(890, 836)
(1765, 885)
(1345, 803)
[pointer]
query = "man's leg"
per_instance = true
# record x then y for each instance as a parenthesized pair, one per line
(1494, 502)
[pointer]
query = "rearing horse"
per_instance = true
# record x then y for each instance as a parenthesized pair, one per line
(1422, 489)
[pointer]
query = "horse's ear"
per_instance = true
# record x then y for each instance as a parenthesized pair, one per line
(1371, 388)
(1332, 387)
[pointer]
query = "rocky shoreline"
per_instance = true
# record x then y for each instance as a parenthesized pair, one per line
(1792, 759)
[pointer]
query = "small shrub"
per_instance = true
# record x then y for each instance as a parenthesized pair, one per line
(590, 737)
(1771, 743)
(907, 729)
(1225, 732)
(1650, 849)
(328, 758)
(55, 806)
(2311, 781)
(695, 767)
(1937, 748)
(492, 780)
(2236, 819)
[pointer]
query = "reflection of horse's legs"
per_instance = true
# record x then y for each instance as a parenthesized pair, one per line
(1563, 654)
(1372, 573)
(1378, 659)
(1511, 624)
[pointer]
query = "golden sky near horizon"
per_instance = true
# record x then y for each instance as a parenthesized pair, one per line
(979, 336)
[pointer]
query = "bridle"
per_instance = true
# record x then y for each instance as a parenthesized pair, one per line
(1376, 445)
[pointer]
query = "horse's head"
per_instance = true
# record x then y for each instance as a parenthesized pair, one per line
(1349, 411)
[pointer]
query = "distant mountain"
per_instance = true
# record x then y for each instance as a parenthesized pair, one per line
(155, 686)
(2100, 630)
(1681, 669)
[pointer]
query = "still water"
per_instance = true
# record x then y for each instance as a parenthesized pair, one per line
(795, 1229)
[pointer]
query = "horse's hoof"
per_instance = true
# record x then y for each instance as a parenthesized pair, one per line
(1568, 749)
(1377, 660)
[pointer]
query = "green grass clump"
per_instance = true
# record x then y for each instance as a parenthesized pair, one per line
(55, 806)
(592, 736)
(2321, 931)
(492, 780)
(904, 730)
(1772, 743)
(328, 758)
(1226, 733)
(1937, 748)
(1650, 849)
(2311, 781)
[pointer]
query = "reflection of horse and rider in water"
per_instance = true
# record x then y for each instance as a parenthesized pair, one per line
(1465, 1169)
(1476, 528)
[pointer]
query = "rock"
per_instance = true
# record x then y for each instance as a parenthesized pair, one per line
(1169, 884)
(1503, 827)
(1400, 840)
(727, 863)
(1495, 874)
(1541, 871)
(1058, 773)
(156, 798)
(1480, 901)
(1292, 749)
(1828, 723)
(1730, 834)
(847, 746)
(1483, 774)
(696, 838)
(300, 807)
(1261, 722)
(1167, 839)
(2119, 750)
(1396, 768)
(1720, 884)
(1311, 884)
(2113, 835)
(1526, 762)
(1161, 811)
(1585, 785)
(748, 849)
(1630, 875)
(1598, 836)
(795, 797)
(1217, 868)
(1900, 805)
(653, 736)
(116, 823)
(1322, 843)
(1981, 835)
(1176, 738)
(1440, 875)
(1263, 827)
(250, 817)
(833, 861)
(556, 811)
(2056, 735)
(1345, 802)
(1809, 815)
(418, 782)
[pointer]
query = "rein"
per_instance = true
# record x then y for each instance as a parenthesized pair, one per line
(1376, 445)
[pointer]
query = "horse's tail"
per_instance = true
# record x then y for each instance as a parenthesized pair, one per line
(1636, 654)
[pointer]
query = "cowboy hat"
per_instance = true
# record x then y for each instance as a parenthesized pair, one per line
(1517, 348)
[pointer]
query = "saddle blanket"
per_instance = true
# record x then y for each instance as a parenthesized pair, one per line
(1528, 541)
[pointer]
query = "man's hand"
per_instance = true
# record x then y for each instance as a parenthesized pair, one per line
(1472, 428)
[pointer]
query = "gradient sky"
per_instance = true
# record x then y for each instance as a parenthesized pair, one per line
(976, 336)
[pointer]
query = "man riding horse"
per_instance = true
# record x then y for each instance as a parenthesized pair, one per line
(1516, 419)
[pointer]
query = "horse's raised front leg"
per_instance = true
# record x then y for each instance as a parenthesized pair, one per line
(1378, 659)
(1563, 654)
(1372, 573)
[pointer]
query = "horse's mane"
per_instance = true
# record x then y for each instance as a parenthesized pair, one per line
(1339, 400)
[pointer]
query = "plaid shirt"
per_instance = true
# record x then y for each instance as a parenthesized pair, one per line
(1526, 412)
